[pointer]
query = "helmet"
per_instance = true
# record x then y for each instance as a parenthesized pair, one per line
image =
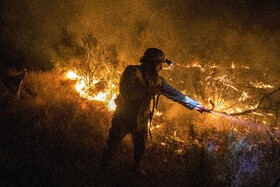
(154, 55)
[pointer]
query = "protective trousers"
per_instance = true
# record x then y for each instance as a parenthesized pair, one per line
(121, 126)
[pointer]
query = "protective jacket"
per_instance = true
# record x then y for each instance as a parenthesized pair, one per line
(137, 90)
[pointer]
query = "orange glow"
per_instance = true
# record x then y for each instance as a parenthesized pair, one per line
(71, 75)
(107, 95)
(257, 113)
(261, 85)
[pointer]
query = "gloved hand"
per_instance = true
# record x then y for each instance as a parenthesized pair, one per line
(200, 108)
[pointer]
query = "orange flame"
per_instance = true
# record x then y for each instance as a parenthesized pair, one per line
(106, 96)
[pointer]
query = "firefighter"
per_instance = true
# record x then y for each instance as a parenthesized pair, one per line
(139, 86)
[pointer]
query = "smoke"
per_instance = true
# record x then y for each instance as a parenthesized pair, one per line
(243, 31)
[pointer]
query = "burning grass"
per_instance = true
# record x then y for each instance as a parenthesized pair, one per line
(53, 137)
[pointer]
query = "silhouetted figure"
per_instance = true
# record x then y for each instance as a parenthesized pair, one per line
(139, 85)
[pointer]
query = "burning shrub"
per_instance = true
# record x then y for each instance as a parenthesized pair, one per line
(90, 63)
(56, 106)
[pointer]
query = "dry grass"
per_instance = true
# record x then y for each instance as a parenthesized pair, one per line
(52, 137)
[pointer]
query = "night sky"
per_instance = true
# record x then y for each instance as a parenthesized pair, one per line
(244, 31)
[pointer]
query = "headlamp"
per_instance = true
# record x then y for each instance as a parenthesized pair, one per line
(168, 62)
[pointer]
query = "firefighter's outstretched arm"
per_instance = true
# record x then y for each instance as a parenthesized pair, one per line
(173, 94)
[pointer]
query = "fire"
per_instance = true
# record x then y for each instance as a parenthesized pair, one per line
(80, 87)
(107, 96)
(111, 103)
(71, 75)
(261, 85)
(101, 96)
(244, 96)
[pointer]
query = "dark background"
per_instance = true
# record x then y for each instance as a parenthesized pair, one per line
(243, 31)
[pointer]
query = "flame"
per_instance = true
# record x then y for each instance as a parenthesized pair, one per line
(244, 96)
(111, 103)
(214, 66)
(261, 85)
(238, 109)
(158, 113)
(80, 86)
(257, 113)
(107, 96)
(71, 75)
